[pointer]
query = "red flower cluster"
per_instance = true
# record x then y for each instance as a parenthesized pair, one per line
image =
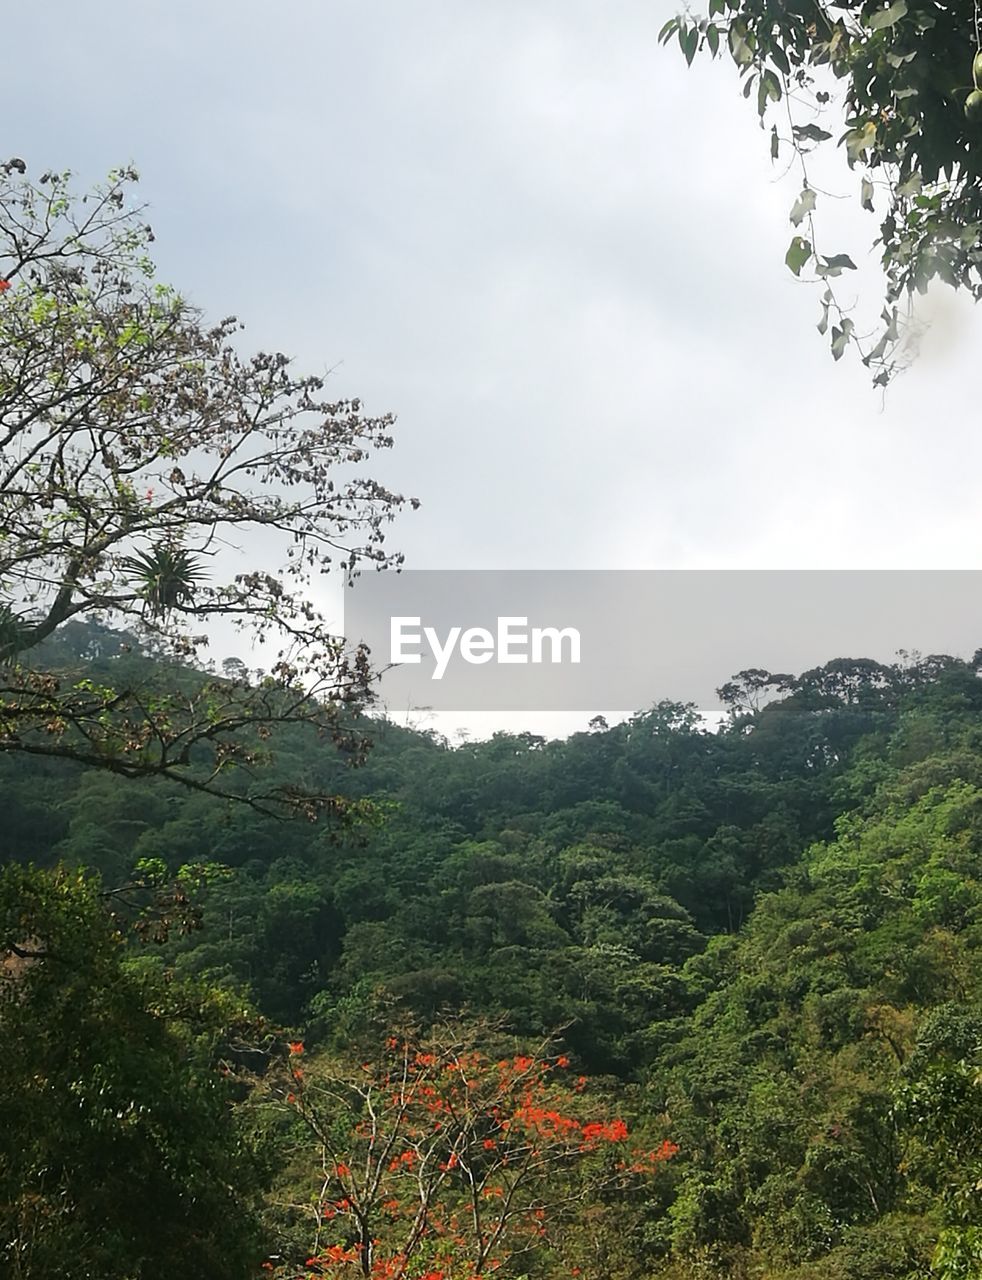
(506, 1123)
(613, 1131)
(546, 1122)
(334, 1253)
(407, 1160)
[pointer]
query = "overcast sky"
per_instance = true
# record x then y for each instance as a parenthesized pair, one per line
(553, 251)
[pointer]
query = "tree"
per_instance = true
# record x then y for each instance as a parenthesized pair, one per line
(903, 81)
(748, 691)
(438, 1162)
(137, 446)
(941, 1101)
(119, 1157)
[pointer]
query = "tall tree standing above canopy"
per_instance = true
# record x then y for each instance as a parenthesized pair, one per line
(903, 81)
(136, 443)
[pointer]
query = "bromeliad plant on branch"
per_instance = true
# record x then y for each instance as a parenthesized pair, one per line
(898, 85)
(136, 445)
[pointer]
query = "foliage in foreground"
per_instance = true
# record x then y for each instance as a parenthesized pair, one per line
(897, 85)
(435, 1160)
(119, 1156)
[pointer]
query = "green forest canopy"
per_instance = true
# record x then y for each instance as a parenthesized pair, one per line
(759, 945)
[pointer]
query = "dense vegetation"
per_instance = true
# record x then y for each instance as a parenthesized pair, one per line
(759, 946)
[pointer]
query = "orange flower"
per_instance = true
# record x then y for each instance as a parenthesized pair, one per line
(562, 1061)
(296, 1046)
(614, 1131)
(333, 1253)
(4, 284)
(343, 1170)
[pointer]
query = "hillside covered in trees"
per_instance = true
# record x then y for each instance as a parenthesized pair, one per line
(746, 959)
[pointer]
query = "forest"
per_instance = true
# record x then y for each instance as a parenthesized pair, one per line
(289, 989)
(718, 990)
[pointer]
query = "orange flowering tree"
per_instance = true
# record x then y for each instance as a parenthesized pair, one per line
(438, 1161)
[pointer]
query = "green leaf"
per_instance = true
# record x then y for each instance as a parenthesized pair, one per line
(667, 30)
(810, 133)
(866, 195)
(802, 207)
(840, 338)
(775, 143)
(838, 38)
(835, 265)
(878, 352)
(799, 251)
(712, 39)
(690, 43)
(740, 46)
(859, 140)
(888, 17)
(768, 90)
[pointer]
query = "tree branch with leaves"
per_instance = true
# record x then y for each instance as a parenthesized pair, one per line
(138, 449)
(898, 85)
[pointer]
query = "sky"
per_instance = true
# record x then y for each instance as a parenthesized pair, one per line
(550, 248)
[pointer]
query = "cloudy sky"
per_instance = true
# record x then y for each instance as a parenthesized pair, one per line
(553, 251)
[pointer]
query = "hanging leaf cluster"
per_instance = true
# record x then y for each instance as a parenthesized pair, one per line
(898, 87)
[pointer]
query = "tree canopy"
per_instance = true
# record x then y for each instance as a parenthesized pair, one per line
(758, 945)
